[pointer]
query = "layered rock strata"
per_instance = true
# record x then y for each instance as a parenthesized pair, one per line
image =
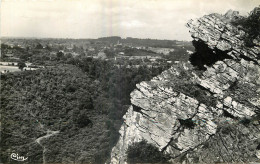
(222, 102)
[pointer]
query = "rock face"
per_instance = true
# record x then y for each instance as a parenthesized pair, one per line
(201, 116)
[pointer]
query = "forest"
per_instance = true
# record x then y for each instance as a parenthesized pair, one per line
(82, 98)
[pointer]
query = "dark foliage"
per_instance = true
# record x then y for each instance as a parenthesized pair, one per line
(81, 97)
(184, 84)
(83, 120)
(34, 101)
(138, 52)
(143, 152)
(245, 121)
(21, 65)
(180, 53)
(150, 42)
(39, 46)
(84, 102)
(110, 39)
(60, 55)
(251, 25)
(227, 129)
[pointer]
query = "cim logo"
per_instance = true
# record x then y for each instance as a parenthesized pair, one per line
(16, 157)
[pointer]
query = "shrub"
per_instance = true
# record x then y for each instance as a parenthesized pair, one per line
(143, 152)
(83, 121)
(250, 25)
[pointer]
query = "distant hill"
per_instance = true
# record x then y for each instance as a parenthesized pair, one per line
(111, 39)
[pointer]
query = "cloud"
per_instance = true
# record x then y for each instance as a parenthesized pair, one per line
(161, 19)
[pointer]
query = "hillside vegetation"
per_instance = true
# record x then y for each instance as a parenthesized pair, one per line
(251, 25)
(84, 101)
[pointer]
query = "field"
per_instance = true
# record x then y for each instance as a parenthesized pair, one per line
(9, 68)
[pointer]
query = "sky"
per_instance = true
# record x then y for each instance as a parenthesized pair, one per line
(156, 19)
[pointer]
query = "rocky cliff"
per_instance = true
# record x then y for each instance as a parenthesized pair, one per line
(203, 111)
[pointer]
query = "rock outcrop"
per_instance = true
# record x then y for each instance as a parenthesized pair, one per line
(205, 116)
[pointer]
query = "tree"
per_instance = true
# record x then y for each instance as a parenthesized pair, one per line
(60, 55)
(83, 120)
(21, 65)
(48, 47)
(109, 53)
(39, 46)
(250, 25)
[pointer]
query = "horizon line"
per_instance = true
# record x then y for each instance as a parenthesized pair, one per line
(28, 37)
